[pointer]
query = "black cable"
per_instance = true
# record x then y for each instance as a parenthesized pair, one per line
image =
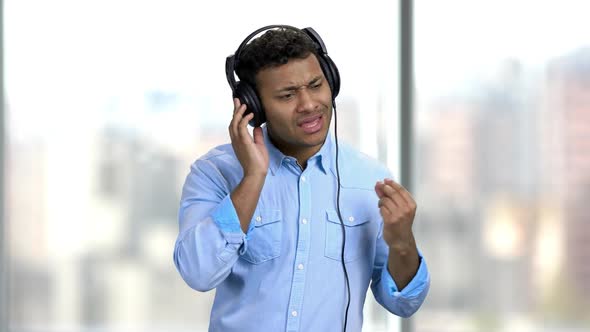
(340, 217)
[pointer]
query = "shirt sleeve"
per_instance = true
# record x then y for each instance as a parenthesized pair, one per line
(407, 301)
(210, 239)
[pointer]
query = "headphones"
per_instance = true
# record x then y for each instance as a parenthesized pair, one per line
(247, 93)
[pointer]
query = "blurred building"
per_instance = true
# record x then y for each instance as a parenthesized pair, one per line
(503, 177)
(568, 112)
(476, 185)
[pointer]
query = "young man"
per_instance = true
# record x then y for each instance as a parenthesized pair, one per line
(260, 222)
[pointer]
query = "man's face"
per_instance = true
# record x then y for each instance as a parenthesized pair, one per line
(298, 104)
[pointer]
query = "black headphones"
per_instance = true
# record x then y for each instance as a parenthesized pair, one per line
(247, 93)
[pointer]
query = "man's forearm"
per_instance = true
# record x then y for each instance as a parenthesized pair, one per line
(245, 198)
(403, 262)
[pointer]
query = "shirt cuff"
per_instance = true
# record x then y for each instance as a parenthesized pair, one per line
(226, 218)
(414, 288)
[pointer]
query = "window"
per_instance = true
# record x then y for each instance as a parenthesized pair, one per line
(502, 164)
(107, 105)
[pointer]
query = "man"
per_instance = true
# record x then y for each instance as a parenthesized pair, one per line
(261, 219)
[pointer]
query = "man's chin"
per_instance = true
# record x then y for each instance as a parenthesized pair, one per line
(318, 140)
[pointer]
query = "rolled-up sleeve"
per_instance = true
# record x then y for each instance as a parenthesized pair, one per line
(210, 239)
(407, 301)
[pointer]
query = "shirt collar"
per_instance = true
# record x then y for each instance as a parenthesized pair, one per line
(324, 156)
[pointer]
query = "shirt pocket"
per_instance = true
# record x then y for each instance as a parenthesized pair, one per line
(357, 230)
(264, 239)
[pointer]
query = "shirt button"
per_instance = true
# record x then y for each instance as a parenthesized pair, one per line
(258, 218)
(300, 266)
(351, 218)
(294, 313)
(304, 221)
(303, 178)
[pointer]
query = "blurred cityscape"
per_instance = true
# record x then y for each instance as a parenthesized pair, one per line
(502, 179)
(501, 176)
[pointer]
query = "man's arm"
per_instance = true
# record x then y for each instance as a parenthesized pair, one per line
(405, 301)
(398, 209)
(213, 224)
(253, 156)
(401, 282)
(403, 262)
(210, 238)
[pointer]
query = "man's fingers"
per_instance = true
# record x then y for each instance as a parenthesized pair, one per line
(235, 121)
(384, 211)
(394, 195)
(258, 136)
(237, 104)
(402, 191)
(379, 189)
(398, 195)
(243, 127)
(388, 204)
(239, 112)
(244, 121)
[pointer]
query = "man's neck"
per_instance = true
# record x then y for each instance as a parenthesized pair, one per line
(302, 154)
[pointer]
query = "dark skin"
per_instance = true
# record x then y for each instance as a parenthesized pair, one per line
(398, 209)
(298, 106)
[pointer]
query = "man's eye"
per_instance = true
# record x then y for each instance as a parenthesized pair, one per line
(316, 86)
(287, 96)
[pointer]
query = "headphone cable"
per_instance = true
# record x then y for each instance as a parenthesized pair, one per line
(340, 218)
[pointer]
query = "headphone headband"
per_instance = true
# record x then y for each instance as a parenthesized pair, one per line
(253, 34)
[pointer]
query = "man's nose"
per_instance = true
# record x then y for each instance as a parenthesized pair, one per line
(306, 102)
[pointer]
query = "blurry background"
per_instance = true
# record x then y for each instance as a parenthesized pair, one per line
(106, 104)
(502, 164)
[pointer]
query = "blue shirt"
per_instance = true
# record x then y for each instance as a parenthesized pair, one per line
(285, 274)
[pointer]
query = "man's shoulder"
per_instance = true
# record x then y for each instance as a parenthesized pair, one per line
(360, 170)
(219, 163)
(219, 152)
(356, 158)
(221, 157)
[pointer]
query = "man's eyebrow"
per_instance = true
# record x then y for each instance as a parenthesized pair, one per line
(314, 80)
(295, 87)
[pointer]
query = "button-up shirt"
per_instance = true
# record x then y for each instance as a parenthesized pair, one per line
(285, 273)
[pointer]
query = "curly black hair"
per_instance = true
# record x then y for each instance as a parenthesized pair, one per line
(273, 48)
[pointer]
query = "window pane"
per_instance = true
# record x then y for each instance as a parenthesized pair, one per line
(108, 104)
(503, 164)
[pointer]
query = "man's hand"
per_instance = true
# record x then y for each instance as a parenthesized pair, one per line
(398, 208)
(253, 156)
(251, 152)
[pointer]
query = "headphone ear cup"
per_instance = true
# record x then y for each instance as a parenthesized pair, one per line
(247, 95)
(331, 72)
